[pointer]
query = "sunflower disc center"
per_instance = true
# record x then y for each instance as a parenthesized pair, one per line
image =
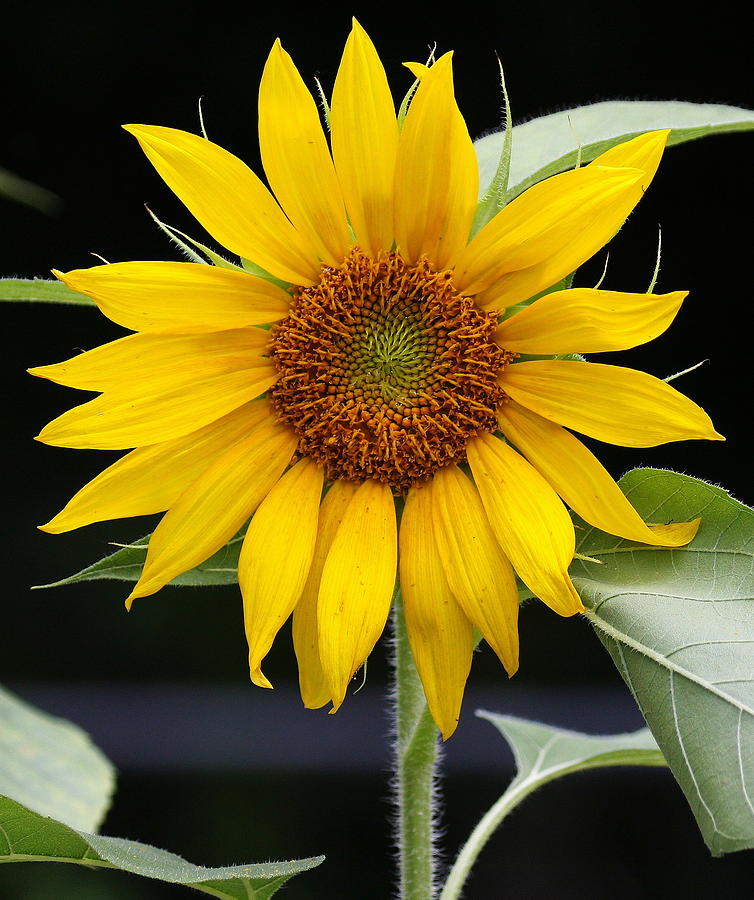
(385, 371)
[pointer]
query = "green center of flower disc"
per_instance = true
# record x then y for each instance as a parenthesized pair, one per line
(385, 370)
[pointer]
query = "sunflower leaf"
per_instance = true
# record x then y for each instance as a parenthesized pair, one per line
(27, 836)
(541, 754)
(550, 144)
(40, 290)
(679, 625)
(544, 752)
(51, 766)
(127, 562)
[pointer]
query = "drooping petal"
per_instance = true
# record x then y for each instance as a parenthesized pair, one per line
(582, 481)
(357, 585)
(151, 479)
(479, 575)
(169, 407)
(529, 521)
(275, 558)
(643, 154)
(212, 509)
(143, 356)
(365, 141)
(441, 636)
(565, 219)
(585, 320)
(610, 403)
(228, 199)
(296, 158)
(436, 177)
(178, 297)
(315, 691)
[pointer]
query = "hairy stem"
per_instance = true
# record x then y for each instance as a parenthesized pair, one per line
(416, 756)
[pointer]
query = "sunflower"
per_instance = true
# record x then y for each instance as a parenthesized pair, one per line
(358, 365)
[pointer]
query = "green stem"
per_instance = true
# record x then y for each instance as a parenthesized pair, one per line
(416, 755)
(479, 837)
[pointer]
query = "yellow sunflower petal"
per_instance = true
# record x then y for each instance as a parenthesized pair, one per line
(151, 479)
(315, 691)
(436, 178)
(168, 408)
(610, 403)
(479, 575)
(528, 519)
(275, 558)
(584, 320)
(365, 141)
(643, 152)
(565, 218)
(178, 297)
(441, 636)
(582, 481)
(228, 199)
(144, 355)
(296, 158)
(357, 585)
(212, 509)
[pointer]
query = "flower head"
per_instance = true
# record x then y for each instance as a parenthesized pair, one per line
(385, 372)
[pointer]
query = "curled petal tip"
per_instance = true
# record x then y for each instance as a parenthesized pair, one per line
(258, 678)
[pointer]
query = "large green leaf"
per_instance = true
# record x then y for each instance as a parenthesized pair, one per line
(51, 766)
(679, 625)
(551, 144)
(39, 290)
(25, 836)
(543, 753)
(126, 565)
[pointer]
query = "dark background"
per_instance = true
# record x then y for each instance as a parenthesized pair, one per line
(215, 769)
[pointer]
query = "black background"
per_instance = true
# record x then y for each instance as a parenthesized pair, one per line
(71, 75)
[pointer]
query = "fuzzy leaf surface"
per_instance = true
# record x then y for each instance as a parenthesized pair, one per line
(127, 562)
(40, 290)
(25, 836)
(550, 144)
(51, 766)
(679, 625)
